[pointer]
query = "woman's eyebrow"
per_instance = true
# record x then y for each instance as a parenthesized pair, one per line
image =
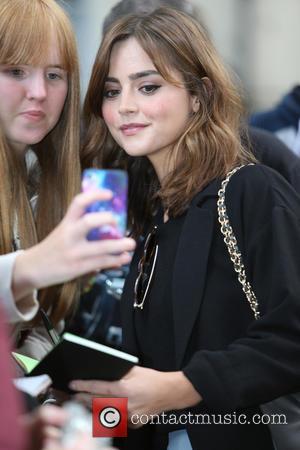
(134, 76)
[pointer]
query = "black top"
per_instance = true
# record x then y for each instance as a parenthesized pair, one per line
(153, 324)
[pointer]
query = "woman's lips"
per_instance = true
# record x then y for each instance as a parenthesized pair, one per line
(132, 128)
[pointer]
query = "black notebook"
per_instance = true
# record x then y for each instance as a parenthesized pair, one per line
(76, 358)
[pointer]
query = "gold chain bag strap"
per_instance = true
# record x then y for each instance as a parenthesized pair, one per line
(231, 243)
(287, 435)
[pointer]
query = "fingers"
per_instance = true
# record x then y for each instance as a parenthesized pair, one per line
(111, 246)
(48, 415)
(79, 204)
(67, 251)
(84, 399)
(109, 262)
(52, 433)
(90, 386)
(51, 415)
(94, 220)
(100, 262)
(105, 254)
(44, 425)
(96, 387)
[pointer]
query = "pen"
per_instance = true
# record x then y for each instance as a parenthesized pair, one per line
(49, 327)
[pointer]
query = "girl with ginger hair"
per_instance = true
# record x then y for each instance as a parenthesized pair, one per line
(43, 243)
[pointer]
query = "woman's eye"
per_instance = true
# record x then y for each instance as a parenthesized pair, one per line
(149, 88)
(111, 93)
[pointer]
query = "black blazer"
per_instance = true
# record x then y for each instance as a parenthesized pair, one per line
(235, 362)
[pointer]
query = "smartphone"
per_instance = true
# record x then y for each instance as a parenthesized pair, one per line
(117, 182)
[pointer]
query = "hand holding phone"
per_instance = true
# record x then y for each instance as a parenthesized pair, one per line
(117, 182)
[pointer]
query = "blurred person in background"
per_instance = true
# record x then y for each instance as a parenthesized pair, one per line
(39, 430)
(124, 7)
(283, 120)
(12, 437)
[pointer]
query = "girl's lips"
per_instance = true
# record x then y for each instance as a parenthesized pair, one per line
(33, 115)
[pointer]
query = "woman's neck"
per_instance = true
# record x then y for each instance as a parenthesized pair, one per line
(162, 164)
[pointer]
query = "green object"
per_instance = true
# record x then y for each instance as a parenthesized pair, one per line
(26, 363)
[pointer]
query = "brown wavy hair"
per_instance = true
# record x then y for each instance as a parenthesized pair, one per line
(26, 30)
(210, 145)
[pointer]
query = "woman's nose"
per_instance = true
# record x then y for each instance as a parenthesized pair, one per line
(127, 103)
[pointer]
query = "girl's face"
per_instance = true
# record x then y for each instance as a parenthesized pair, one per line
(32, 99)
(144, 113)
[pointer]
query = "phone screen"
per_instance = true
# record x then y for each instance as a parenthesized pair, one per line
(117, 182)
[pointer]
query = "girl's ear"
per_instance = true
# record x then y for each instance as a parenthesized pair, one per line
(207, 87)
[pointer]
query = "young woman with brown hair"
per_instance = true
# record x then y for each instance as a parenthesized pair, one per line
(40, 169)
(161, 105)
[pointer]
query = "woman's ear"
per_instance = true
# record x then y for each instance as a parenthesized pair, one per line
(207, 88)
(195, 104)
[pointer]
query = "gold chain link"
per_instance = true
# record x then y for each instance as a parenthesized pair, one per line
(231, 243)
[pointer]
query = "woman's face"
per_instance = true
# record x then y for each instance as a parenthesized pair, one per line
(144, 113)
(32, 99)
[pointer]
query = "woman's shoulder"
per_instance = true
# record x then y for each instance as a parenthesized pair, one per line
(258, 174)
(258, 197)
(260, 184)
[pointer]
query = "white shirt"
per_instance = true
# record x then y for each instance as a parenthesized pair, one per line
(26, 308)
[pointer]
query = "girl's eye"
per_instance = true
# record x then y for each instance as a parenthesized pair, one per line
(15, 72)
(150, 88)
(111, 93)
(52, 76)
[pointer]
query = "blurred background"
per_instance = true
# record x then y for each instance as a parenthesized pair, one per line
(259, 39)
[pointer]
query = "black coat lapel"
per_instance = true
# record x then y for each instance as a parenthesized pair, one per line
(191, 265)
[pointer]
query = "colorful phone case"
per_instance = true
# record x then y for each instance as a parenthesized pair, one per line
(116, 181)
